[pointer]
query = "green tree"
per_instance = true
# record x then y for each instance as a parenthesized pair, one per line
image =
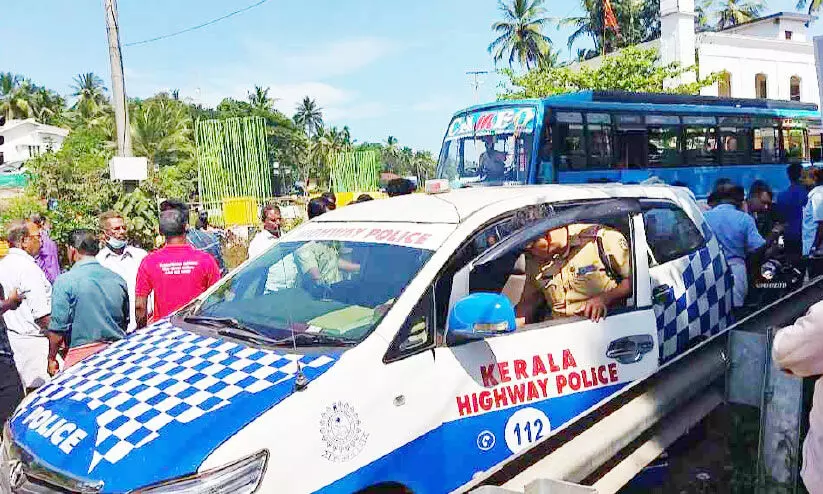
(16, 96)
(734, 12)
(90, 96)
(78, 177)
(259, 99)
(703, 9)
(49, 107)
(309, 116)
(814, 5)
(638, 20)
(161, 130)
(520, 33)
(631, 69)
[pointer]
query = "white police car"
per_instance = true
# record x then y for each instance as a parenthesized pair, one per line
(371, 348)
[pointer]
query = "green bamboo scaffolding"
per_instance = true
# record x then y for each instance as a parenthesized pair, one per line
(355, 171)
(232, 159)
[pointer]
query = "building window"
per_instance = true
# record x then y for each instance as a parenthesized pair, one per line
(794, 88)
(761, 86)
(724, 85)
(788, 35)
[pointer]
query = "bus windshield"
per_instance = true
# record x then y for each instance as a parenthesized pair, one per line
(488, 147)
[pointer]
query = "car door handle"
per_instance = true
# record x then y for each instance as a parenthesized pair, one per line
(660, 293)
(630, 349)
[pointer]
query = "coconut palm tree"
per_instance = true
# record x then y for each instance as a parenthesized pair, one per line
(734, 12)
(161, 130)
(16, 96)
(259, 99)
(814, 5)
(309, 116)
(703, 9)
(48, 106)
(520, 33)
(639, 21)
(91, 95)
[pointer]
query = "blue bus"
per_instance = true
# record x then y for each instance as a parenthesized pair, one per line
(615, 136)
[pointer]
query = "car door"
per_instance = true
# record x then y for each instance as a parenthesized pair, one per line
(691, 282)
(510, 391)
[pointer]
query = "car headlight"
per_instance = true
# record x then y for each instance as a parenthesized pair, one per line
(240, 477)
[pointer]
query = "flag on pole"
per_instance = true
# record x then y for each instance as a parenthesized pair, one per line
(609, 19)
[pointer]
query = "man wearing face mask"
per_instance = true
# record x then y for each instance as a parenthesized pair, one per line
(270, 233)
(120, 257)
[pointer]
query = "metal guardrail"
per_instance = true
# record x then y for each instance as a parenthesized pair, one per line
(608, 447)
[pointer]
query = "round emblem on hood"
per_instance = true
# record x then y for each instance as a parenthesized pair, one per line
(342, 432)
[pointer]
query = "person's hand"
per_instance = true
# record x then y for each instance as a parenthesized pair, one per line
(594, 309)
(14, 299)
(54, 367)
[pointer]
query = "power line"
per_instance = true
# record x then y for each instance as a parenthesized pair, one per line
(199, 26)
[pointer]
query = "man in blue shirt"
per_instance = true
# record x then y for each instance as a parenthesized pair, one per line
(90, 304)
(738, 236)
(790, 204)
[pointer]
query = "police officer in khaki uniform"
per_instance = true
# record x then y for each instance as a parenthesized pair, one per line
(579, 269)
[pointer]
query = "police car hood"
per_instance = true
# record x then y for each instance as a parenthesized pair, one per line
(154, 406)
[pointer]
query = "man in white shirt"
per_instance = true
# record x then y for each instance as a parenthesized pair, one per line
(270, 233)
(120, 257)
(28, 323)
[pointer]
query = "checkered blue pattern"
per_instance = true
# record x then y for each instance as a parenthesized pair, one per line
(163, 375)
(700, 302)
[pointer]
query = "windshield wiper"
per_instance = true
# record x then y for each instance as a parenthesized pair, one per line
(237, 329)
(315, 339)
(241, 331)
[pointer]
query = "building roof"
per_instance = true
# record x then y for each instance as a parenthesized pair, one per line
(795, 16)
(40, 127)
(456, 206)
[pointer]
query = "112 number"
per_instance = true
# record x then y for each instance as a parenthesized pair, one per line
(527, 430)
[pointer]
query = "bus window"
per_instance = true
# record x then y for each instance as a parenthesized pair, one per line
(700, 141)
(570, 141)
(734, 145)
(491, 146)
(764, 144)
(815, 146)
(664, 136)
(545, 163)
(794, 144)
(601, 150)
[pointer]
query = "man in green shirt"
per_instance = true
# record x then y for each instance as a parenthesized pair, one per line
(90, 304)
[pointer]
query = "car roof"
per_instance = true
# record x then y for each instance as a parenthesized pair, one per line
(456, 206)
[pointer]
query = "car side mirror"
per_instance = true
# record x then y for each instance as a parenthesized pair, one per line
(481, 314)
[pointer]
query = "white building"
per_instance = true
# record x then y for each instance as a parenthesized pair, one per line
(770, 57)
(23, 139)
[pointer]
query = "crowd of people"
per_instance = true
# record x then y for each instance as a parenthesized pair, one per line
(747, 226)
(52, 320)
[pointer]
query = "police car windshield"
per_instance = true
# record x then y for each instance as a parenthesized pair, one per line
(488, 147)
(320, 287)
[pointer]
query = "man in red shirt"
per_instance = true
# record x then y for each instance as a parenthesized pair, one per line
(176, 274)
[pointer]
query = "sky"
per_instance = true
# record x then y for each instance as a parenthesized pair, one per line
(381, 67)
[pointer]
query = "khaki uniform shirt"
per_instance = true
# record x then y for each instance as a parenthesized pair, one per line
(569, 280)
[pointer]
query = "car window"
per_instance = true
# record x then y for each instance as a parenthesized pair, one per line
(486, 237)
(670, 233)
(552, 277)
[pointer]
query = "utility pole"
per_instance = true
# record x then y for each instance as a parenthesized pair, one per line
(118, 88)
(477, 81)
